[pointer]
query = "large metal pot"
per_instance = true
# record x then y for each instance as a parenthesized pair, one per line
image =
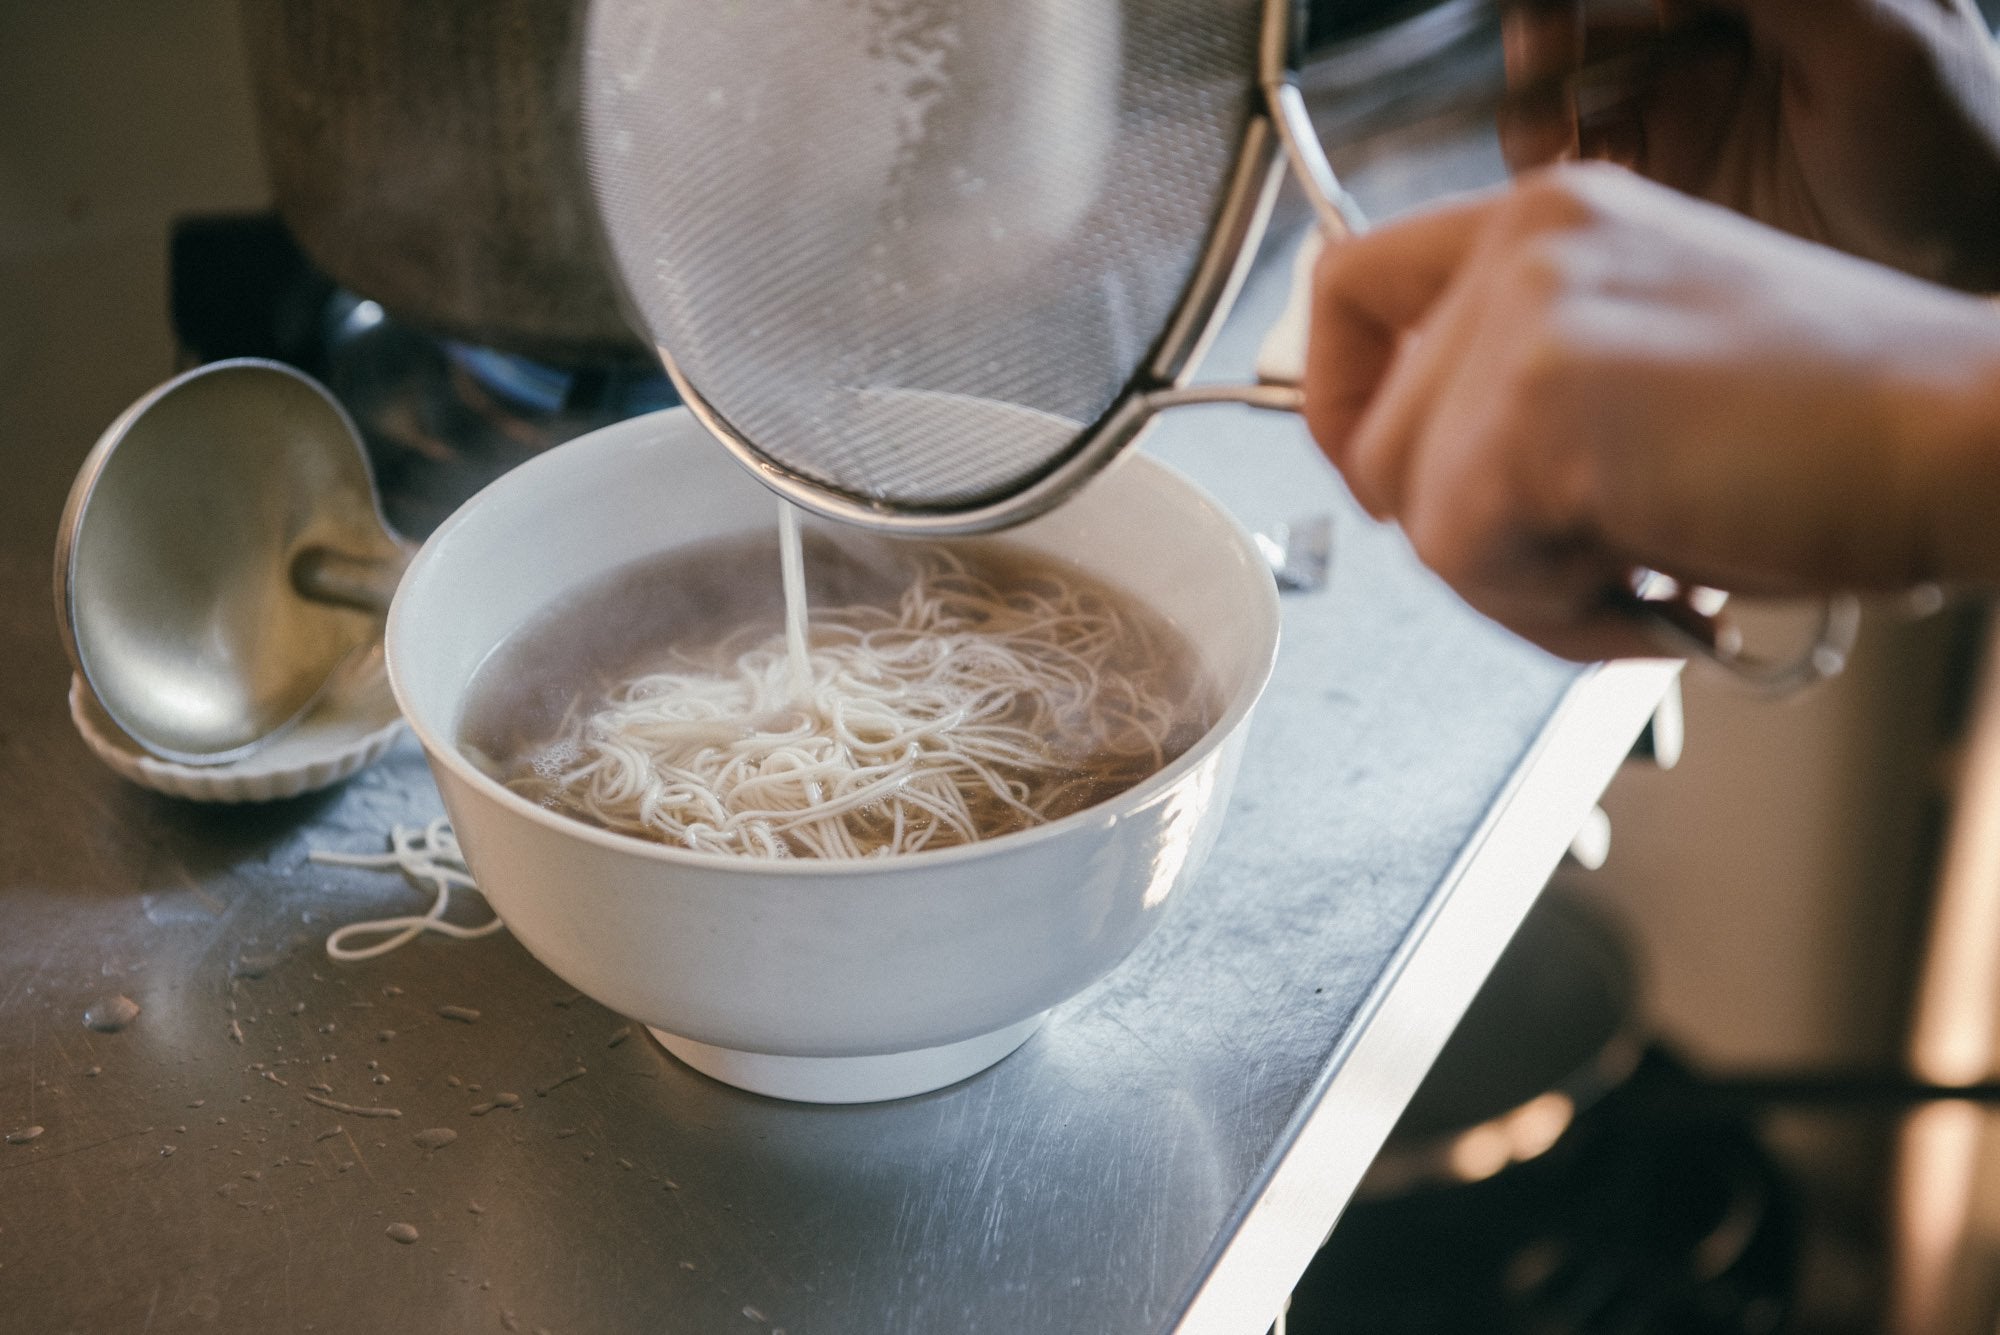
(425, 156)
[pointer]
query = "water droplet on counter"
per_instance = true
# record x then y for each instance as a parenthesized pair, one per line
(385, 1035)
(474, 1207)
(107, 1015)
(498, 1101)
(93, 1072)
(166, 1151)
(404, 1233)
(235, 1032)
(255, 964)
(619, 1036)
(23, 1135)
(462, 1014)
(573, 1073)
(436, 1138)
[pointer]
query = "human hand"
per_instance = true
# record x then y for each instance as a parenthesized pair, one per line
(1871, 125)
(1554, 386)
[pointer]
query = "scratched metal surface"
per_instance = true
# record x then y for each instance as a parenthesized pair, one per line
(183, 1180)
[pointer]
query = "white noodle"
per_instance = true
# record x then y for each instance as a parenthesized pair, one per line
(792, 557)
(428, 856)
(964, 711)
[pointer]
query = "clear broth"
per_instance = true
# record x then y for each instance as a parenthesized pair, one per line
(622, 625)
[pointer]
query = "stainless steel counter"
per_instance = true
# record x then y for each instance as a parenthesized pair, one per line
(1164, 1155)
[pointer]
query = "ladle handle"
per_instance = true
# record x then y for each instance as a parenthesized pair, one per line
(362, 582)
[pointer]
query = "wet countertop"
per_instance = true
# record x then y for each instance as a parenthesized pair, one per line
(449, 1139)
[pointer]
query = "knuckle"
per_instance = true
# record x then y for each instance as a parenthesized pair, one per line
(1546, 425)
(1546, 199)
(1539, 270)
(1552, 358)
(1592, 180)
(1566, 197)
(1443, 541)
(1335, 271)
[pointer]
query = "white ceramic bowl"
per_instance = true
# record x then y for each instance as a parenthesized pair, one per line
(822, 981)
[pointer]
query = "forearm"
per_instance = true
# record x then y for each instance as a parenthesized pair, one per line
(1869, 125)
(1951, 445)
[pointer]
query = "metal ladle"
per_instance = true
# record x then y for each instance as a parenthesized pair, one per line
(223, 554)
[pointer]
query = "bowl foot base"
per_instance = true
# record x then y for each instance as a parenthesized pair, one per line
(889, 1075)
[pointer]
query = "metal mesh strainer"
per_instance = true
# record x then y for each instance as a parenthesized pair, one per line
(927, 264)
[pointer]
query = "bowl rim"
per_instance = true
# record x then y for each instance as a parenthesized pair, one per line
(1116, 807)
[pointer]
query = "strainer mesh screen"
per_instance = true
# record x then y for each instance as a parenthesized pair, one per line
(910, 249)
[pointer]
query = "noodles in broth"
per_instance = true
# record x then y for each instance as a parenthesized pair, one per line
(978, 691)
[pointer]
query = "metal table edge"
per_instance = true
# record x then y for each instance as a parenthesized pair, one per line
(1478, 907)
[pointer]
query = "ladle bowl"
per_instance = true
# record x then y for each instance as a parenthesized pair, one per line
(222, 555)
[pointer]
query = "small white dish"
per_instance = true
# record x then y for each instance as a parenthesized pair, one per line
(351, 727)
